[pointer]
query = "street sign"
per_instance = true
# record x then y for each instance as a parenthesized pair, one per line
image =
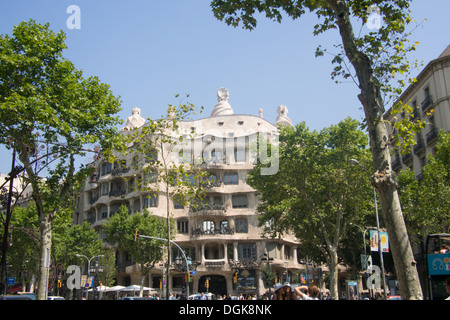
(11, 281)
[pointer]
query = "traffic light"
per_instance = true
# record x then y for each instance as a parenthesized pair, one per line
(235, 278)
(190, 276)
(207, 283)
(136, 235)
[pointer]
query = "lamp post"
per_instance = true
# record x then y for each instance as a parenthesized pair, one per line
(89, 266)
(182, 252)
(268, 259)
(356, 162)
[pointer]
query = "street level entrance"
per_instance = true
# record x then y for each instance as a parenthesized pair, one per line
(217, 284)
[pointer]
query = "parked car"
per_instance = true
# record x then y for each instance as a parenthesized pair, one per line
(55, 298)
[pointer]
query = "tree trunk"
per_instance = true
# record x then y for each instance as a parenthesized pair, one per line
(382, 179)
(141, 290)
(333, 265)
(46, 244)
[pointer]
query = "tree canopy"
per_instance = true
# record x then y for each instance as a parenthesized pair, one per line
(51, 115)
(375, 59)
(317, 192)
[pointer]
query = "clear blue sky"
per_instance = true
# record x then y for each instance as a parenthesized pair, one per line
(149, 50)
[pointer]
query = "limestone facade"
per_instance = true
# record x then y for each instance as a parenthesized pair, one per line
(222, 236)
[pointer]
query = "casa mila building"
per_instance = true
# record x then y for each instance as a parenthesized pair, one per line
(222, 237)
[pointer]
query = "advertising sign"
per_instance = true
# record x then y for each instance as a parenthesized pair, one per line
(246, 280)
(439, 264)
(374, 241)
(90, 282)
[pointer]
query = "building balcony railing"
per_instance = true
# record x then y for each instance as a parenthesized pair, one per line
(427, 103)
(209, 209)
(116, 193)
(218, 263)
(118, 171)
(419, 146)
(90, 220)
(432, 134)
(93, 199)
(406, 157)
(212, 231)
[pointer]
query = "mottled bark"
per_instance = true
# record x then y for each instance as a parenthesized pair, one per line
(382, 178)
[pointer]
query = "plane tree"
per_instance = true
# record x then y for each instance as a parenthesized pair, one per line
(47, 104)
(317, 194)
(377, 61)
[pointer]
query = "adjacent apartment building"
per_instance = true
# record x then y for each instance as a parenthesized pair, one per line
(222, 237)
(429, 97)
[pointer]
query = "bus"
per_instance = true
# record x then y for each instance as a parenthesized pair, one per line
(437, 248)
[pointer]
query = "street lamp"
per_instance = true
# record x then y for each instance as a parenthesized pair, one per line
(356, 163)
(89, 266)
(265, 257)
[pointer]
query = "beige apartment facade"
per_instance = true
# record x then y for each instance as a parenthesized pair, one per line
(429, 97)
(222, 237)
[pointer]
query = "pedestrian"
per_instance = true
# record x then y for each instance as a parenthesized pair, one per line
(288, 294)
(312, 292)
(279, 292)
(283, 292)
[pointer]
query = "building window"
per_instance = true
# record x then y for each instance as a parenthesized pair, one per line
(189, 179)
(212, 180)
(230, 178)
(151, 201)
(137, 205)
(103, 213)
(104, 188)
(183, 226)
(287, 253)
(218, 200)
(185, 156)
(239, 155)
(428, 100)
(241, 225)
(273, 250)
(246, 251)
(239, 201)
(208, 227)
(177, 204)
(106, 168)
(151, 176)
(216, 156)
